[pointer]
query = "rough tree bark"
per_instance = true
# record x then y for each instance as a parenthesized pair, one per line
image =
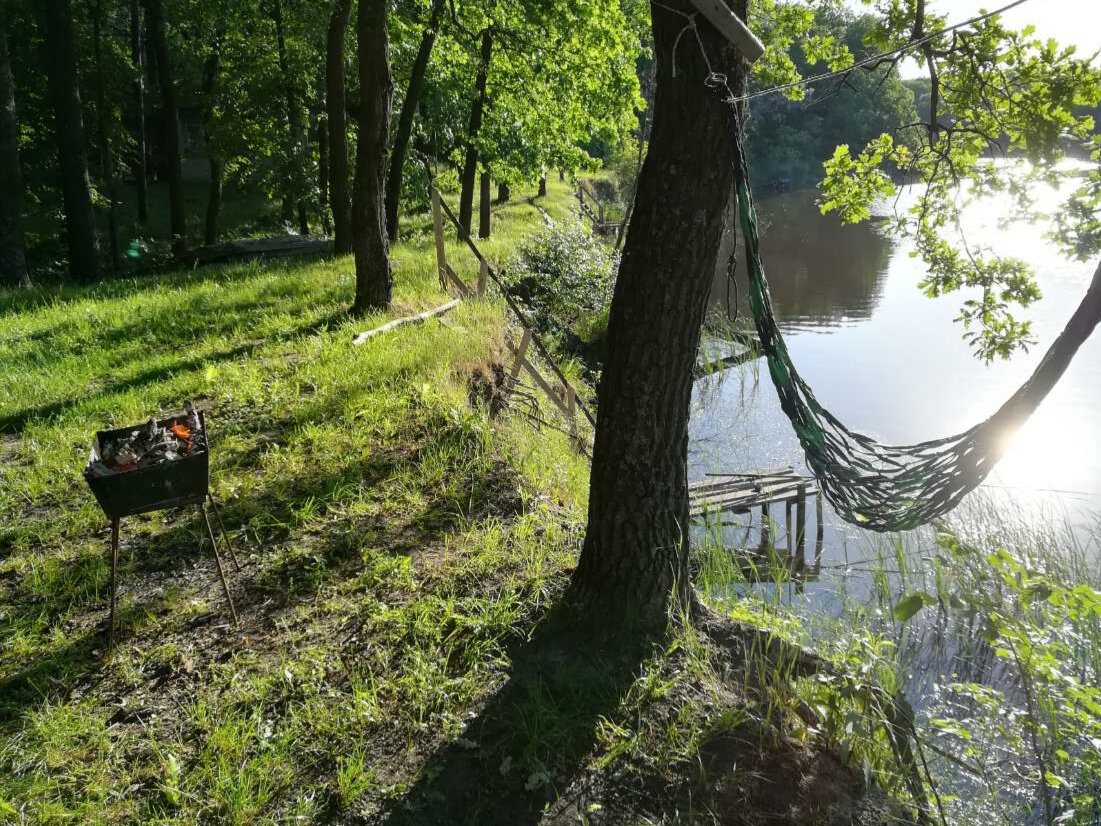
(140, 168)
(408, 112)
(76, 189)
(336, 108)
(470, 164)
(374, 281)
(634, 563)
(106, 150)
(170, 121)
(484, 213)
(294, 123)
(13, 252)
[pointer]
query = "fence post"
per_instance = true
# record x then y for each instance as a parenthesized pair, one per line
(819, 530)
(518, 365)
(437, 225)
(801, 522)
(483, 276)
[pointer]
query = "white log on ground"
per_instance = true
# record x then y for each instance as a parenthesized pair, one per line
(419, 318)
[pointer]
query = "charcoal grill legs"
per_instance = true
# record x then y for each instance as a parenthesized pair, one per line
(218, 560)
(222, 528)
(114, 572)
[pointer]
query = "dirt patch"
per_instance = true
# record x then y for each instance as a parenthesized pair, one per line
(487, 387)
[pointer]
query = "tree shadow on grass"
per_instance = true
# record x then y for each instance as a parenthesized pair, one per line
(533, 738)
(290, 565)
(16, 421)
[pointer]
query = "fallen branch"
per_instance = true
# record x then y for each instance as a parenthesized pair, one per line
(419, 318)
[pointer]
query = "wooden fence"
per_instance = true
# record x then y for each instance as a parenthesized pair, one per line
(593, 207)
(556, 385)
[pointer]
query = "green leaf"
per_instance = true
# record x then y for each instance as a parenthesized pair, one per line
(910, 604)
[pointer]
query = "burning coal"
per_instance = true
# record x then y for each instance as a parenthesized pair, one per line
(150, 444)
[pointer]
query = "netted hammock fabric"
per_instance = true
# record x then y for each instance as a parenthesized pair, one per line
(893, 487)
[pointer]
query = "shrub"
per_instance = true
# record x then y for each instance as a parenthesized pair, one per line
(565, 276)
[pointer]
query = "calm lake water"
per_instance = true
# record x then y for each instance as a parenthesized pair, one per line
(892, 363)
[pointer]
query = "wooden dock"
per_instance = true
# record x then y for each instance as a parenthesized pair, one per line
(741, 493)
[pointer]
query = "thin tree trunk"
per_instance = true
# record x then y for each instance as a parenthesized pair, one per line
(106, 151)
(543, 185)
(470, 165)
(76, 189)
(214, 201)
(503, 193)
(170, 118)
(634, 563)
(294, 122)
(336, 108)
(374, 281)
(484, 214)
(13, 251)
(140, 163)
(404, 131)
(323, 173)
(211, 69)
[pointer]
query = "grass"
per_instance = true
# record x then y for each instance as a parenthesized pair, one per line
(401, 655)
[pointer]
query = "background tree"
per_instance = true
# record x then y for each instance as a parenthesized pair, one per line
(170, 122)
(68, 109)
(140, 155)
(13, 254)
(469, 173)
(410, 102)
(104, 127)
(336, 109)
(374, 280)
(294, 199)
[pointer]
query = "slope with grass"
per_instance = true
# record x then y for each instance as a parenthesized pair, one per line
(399, 657)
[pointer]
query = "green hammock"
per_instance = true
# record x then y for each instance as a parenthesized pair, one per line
(893, 487)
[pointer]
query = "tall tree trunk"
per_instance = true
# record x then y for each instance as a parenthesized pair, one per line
(503, 193)
(106, 151)
(374, 281)
(214, 201)
(76, 189)
(634, 563)
(170, 118)
(405, 119)
(484, 213)
(323, 173)
(294, 121)
(470, 165)
(13, 251)
(336, 107)
(140, 169)
(211, 69)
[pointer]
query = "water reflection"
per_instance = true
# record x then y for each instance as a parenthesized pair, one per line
(826, 273)
(899, 369)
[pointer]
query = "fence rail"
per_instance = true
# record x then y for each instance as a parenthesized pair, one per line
(558, 389)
